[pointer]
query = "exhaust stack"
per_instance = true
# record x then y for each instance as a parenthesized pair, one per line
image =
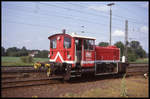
(64, 31)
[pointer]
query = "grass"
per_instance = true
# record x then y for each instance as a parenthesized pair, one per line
(16, 61)
(144, 60)
(97, 92)
(136, 86)
(141, 60)
(123, 87)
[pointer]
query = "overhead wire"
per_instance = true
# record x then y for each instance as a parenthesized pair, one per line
(94, 13)
(78, 19)
(129, 18)
(84, 20)
(89, 13)
(68, 17)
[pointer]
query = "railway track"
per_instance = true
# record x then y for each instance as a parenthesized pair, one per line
(20, 69)
(25, 69)
(9, 75)
(25, 83)
(137, 69)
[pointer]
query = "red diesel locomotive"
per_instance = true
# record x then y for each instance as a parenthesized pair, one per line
(74, 55)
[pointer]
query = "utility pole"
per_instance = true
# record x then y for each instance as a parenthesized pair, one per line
(83, 29)
(110, 4)
(126, 40)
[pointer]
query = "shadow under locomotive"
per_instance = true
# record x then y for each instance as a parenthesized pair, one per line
(93, 78)
(90, 77)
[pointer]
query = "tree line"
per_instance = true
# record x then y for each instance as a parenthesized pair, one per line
(17, 52)
(135, 50)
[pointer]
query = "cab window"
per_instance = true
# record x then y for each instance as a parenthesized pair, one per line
(53, 43)
(67, 42)
(88, 44)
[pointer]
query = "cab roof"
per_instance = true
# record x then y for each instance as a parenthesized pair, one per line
(74, 35)
(79, 36)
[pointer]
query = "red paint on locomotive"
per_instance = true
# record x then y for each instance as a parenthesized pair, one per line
(107, 54)
(58, 52)
(63, 49)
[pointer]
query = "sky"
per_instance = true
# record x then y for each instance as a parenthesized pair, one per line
(30, 24)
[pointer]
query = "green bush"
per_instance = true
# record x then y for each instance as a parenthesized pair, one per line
(27, 59)
(131, 57)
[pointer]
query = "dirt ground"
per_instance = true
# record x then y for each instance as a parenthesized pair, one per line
(136, 86)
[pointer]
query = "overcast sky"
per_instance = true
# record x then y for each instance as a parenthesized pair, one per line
(30, 24)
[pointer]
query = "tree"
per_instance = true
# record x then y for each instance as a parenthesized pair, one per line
(137, 48)
(12, 51)
(104, 44)
(140, 52)
(134, 44)
(131, 55)
(3, 51)
(120, 45)
(24, 51)
(24, 48)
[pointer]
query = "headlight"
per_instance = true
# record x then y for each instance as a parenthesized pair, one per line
(47, 65)
(37, 65)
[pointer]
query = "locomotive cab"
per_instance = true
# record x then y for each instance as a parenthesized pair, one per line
(70, 53)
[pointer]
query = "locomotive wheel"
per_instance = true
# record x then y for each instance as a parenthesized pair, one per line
(68, 72)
